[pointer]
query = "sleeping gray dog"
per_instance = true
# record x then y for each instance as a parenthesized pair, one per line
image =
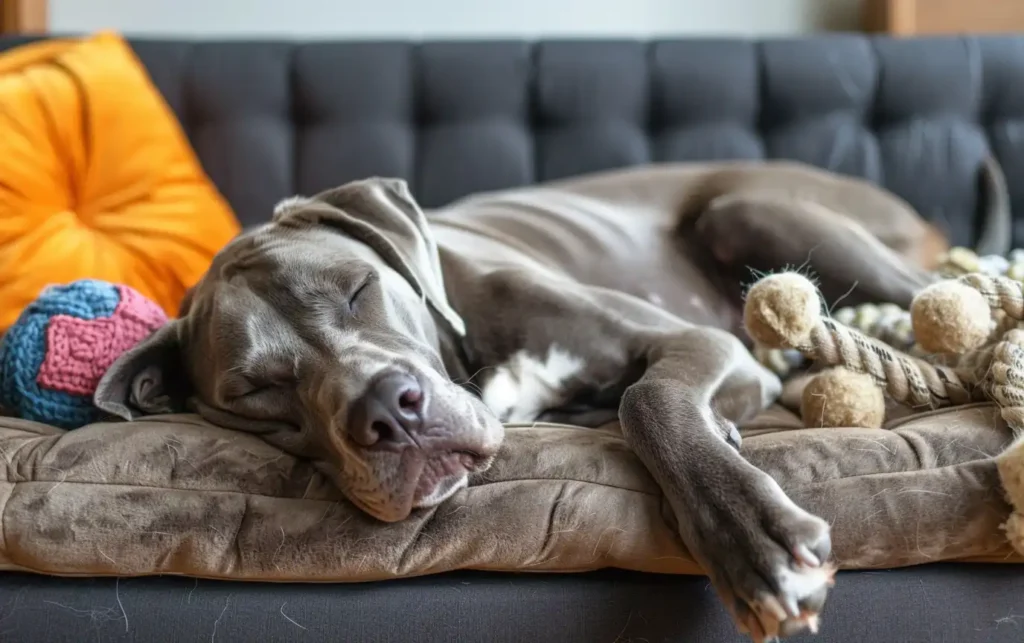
(389, 347)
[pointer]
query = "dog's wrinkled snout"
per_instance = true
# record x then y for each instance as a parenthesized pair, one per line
(390, 413)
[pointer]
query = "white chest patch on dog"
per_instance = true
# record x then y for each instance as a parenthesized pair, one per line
(524, 386)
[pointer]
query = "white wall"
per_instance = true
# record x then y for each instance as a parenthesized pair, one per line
(453, 18)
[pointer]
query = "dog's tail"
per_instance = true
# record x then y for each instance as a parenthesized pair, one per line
(996, 235)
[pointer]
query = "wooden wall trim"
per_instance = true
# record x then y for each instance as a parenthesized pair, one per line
(934, 17)
(24, 16)
(889, 16)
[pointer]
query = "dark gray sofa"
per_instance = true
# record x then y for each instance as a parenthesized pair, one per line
(269, 119)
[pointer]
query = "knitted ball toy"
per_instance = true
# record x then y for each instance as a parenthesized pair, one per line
(54, 355)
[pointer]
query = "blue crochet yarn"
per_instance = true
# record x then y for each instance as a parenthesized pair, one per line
(23, 348)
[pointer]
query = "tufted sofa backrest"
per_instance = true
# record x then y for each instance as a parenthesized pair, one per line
(271, 119)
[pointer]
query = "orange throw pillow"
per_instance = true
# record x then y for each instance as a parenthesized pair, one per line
(97, 178)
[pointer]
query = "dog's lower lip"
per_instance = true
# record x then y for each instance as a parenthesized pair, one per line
(440, 469)
(471, 460)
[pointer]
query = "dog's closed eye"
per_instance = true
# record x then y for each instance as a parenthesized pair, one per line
(252, 386)
(246, 391)
(257, 389)
(361, 288)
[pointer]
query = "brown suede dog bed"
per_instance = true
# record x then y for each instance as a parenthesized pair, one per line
(176, 495)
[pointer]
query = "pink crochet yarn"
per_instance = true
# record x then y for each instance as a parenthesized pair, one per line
(79, 351)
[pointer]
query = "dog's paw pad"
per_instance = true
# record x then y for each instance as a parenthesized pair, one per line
(794, 610)
(805, 582)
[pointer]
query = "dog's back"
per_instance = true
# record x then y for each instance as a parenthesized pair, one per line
(633, 230)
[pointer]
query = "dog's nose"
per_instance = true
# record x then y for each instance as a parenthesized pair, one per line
(390, 412)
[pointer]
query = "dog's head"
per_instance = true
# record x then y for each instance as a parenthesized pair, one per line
(321, 332)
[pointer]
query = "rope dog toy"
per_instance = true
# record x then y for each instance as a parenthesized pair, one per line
(784, 311)
(892, 325)
(962, 314)
(886, 322)
(999, 362)
(1004, 384)
(971, 324)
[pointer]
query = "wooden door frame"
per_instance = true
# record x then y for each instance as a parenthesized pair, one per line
(24, 17)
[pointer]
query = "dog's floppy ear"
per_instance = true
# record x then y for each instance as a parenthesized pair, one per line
(382, 213)
(148, 379)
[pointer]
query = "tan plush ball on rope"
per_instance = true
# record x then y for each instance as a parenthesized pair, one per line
(781, 310)
(950, 317)
(838, 397)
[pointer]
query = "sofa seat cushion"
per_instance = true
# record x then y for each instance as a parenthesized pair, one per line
(175, 495)
(97, 178)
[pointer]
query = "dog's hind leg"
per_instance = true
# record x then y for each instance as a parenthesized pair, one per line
(748, 235)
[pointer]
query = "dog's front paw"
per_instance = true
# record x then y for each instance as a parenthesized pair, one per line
(793, 608)
(767, 558)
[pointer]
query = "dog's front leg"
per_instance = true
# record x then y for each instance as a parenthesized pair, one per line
(686, 387)
(766, 557)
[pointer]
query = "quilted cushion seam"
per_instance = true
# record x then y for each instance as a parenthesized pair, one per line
(3, 521)
(272, 497)
(550, 532)
(815, 483)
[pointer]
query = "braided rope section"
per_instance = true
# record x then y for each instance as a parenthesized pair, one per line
(1004, 382)
(1003, 324)
(973, 366)
(906, 379)
(887, 323)
(1002, 293)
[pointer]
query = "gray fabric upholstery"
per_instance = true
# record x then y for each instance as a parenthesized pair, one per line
(272, 119)
(949, 603)
(269, 119)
